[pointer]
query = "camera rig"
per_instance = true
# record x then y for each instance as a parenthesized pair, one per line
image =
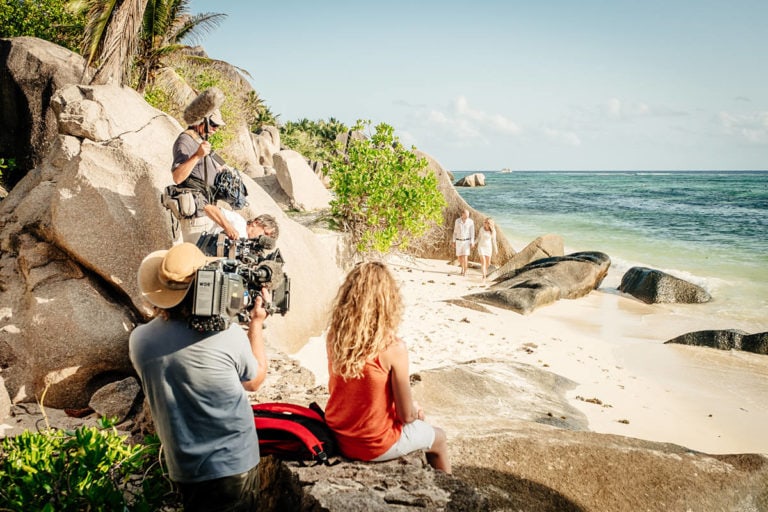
(225, 290)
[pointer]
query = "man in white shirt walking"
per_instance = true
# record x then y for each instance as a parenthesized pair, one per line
(463, 239)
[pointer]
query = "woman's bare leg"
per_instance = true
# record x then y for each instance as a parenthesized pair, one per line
(437, 456)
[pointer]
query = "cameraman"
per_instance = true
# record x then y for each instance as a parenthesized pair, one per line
(249, 225)
(196, 385)
(195, 167)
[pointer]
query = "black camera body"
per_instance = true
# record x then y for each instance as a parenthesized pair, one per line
(225, 290)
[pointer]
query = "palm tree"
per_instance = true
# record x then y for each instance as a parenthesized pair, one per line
(111, 37)
(120, 33)
(166, 24)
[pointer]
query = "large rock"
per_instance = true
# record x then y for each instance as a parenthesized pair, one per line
(538, 467)
(731, 339)
(33, 70)
(267, 143)
(74, 231)
(472, 180)
(545, 246)
(299, 182)
(403, 484)
(465, 394)
(653, 286)
(436, 243)
(545, 281)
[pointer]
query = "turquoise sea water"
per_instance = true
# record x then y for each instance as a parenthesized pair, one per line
(708, 227)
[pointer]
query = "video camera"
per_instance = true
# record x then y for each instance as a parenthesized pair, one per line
(225, 290)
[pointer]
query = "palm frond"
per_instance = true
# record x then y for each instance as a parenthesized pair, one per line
(195, 27)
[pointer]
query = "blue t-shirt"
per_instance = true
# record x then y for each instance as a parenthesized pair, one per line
(192, 381)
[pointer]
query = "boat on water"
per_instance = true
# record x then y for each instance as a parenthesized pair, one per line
(506, 170)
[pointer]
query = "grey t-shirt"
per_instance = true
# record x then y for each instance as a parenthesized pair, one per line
(185, 146)
(192, 381)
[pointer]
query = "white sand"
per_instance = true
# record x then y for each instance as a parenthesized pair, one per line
(610, 344)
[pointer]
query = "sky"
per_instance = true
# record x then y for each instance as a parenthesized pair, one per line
(524, 85)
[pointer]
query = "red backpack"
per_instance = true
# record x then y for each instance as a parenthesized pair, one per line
(294, 432)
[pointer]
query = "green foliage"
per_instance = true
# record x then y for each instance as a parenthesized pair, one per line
(165, 26)
(88, 469)
(385, 194)
(315, 140)
(51, 20)
(7, 167)
(159, 98)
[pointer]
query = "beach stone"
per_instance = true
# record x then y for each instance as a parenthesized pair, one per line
(546, 281)
(542, 247)
(654, 286)
(116, 399)
(472, 180)
(299, 182)
(730, 339)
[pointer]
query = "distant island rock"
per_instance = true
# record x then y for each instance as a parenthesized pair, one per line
(473, 180)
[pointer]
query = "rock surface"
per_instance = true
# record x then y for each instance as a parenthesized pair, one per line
(473, 180)
(545, 246)
(654, 286)
(731, 339)
(545, 281)
(299, 182)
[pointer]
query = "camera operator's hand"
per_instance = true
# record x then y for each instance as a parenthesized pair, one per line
(204, 149)
(256, 339)
(259, 313)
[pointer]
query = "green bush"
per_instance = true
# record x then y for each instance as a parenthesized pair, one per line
(384, 193)
(315, 140)
(51, 20)
(88, 469)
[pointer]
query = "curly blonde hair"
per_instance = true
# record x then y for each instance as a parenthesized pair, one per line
(366, 313)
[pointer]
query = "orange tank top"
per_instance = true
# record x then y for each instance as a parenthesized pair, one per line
(362, 413)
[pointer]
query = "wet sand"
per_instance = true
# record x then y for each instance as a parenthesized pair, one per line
(628, 381)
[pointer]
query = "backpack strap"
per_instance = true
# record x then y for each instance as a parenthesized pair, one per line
(286, 408)
(313, 444)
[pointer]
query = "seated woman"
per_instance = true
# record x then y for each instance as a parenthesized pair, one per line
(370, 409)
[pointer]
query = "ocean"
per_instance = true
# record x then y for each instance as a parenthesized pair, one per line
(708, 227)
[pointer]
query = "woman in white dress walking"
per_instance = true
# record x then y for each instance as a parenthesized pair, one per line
(486, 244)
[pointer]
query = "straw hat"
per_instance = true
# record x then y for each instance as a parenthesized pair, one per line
(165, 276)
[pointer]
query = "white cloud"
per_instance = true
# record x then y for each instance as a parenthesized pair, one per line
(461, 121)
(562, 137)
(618, 109)
(751, 127)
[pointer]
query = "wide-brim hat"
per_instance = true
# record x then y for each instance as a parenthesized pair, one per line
(166, 275)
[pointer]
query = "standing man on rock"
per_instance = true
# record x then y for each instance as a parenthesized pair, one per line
(463, 239)
(194, 166)
(196, 384)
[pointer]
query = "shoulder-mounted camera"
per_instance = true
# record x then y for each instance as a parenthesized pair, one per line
(226, 290)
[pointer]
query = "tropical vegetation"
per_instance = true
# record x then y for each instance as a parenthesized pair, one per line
(52, 20)
(385, 196)
(316, 140)
(86, 469)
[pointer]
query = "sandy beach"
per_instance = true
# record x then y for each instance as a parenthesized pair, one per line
(611, 345)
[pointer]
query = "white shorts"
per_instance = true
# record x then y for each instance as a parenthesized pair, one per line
(418, 435)
(191, 229)
(463, 247)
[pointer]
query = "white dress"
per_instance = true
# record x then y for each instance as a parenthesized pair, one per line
(486, 242)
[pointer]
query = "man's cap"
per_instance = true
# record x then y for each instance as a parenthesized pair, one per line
(216, 118)
(166, 275)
